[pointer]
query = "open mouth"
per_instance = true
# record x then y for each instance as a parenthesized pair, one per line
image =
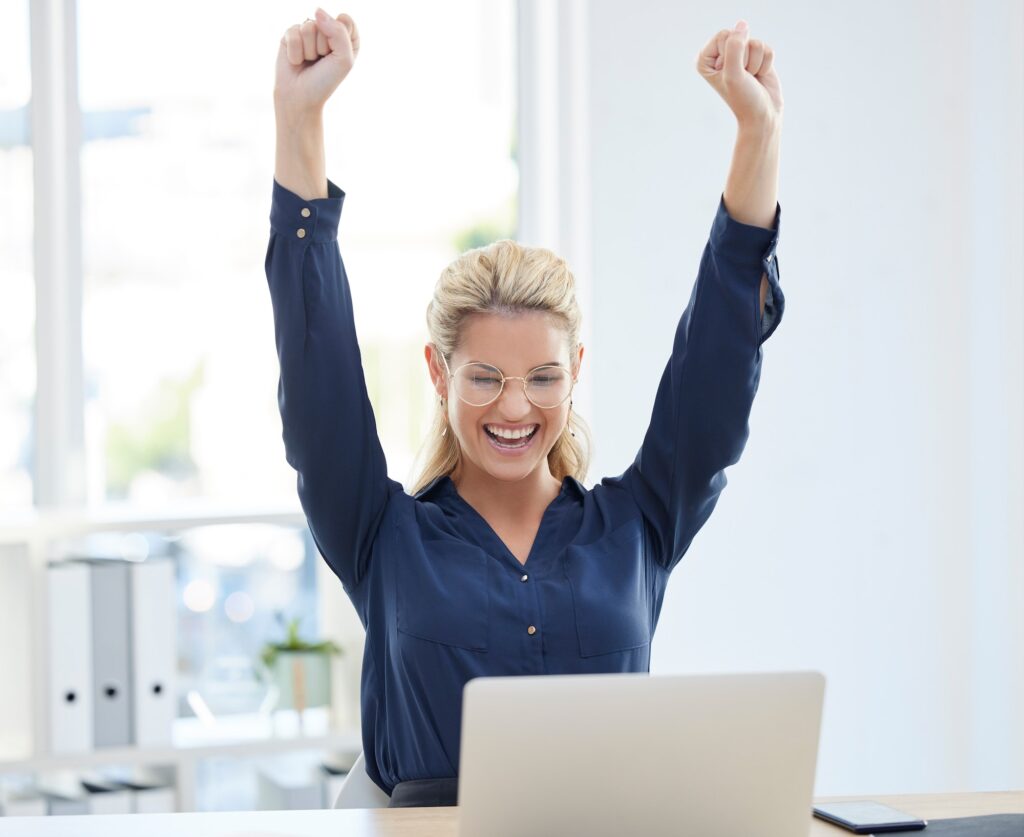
(506, 444)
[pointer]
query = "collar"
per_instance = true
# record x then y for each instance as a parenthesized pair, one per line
(443, 483)
(432, 488)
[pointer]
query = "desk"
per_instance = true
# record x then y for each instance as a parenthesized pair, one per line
(411, 822)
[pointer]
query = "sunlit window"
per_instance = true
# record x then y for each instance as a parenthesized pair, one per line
(178, 355)
(177, 165)
(18, 311)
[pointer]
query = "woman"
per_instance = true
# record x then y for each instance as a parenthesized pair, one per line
(501, 562)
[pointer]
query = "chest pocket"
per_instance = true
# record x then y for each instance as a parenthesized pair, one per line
(442, 595)
(610, 592)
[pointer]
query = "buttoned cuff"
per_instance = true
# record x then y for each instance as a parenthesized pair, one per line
(315, 220)
(744, 243)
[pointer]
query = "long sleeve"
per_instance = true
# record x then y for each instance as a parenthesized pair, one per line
(330, 435)
(699, 424)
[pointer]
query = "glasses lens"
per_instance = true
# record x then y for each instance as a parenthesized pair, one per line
(548, 386)
(477, 383)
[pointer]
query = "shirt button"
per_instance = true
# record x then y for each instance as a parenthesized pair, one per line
(531, 630)
(301, 233)
(305, 212)
(524, 577)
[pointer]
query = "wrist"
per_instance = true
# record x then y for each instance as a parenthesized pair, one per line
(299, 158)
(763, 129)
(302, 136)
(291, 118)
(305, 128)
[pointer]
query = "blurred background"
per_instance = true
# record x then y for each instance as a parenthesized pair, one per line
(873, 529)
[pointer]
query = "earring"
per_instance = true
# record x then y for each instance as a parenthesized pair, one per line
(444, 432)
(571, 431)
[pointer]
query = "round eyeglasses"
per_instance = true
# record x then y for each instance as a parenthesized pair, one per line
(479, 384)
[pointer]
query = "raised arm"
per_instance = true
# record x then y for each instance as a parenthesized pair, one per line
(742, 72)
(329, 431)
(313, 59)
(699, 424)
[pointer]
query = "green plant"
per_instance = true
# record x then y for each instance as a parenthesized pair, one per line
(293, 642)
(157, 437)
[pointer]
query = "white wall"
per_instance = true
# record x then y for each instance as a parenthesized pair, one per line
(15, 651)
(873, 529)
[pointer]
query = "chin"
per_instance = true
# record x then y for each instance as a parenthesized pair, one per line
(506, 475)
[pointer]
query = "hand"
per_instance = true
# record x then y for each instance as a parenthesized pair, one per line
(741, 71)
(312, 61)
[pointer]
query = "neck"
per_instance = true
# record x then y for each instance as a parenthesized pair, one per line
(518, 498)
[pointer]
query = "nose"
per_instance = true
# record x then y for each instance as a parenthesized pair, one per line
(513, 403)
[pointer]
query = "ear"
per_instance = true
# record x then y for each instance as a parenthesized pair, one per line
(577, 363)
(435, 367)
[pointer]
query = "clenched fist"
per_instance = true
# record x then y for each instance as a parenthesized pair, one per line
(312, 61)
(741, 71)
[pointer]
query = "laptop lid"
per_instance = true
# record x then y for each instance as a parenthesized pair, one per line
(615, 754)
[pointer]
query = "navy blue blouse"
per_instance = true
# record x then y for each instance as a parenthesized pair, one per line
(442, 598)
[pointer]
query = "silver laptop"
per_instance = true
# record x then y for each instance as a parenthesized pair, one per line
(617, 754)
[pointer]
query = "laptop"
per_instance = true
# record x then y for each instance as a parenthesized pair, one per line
(615, 754)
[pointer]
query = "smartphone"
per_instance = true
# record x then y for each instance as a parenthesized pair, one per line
(868, 817)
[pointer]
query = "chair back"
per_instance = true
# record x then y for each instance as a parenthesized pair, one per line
(359, 790)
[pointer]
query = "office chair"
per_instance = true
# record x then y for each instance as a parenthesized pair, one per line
(359, 790)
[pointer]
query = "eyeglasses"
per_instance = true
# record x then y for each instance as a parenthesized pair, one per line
(480, 384)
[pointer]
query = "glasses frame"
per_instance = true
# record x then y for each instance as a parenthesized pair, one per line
(504, 377)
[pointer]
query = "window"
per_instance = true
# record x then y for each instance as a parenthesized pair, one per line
(180, 373)
(177, 161)
(17, 314)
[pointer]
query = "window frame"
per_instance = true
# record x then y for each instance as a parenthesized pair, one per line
(58, 472)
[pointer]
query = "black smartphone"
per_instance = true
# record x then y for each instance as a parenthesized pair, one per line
(868, 817)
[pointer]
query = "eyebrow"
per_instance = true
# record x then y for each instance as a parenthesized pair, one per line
(538, 366)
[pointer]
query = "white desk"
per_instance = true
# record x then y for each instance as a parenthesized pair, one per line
(408, 822)
(401, 822)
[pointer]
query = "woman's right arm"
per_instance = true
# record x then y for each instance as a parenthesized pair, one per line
(330, 435)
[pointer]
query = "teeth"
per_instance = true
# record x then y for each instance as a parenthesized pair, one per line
(510, 434)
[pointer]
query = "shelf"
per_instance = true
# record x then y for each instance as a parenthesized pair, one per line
(55, 523)
(27, 543)
(235, 740)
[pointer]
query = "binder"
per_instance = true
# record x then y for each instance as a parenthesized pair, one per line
(62, 805)
(153, 799)
(106, 797)
(111, 650)
(23, 804)
(153, 790)
(68, 793)
(64, 795)
(70, 668)
(154, 651)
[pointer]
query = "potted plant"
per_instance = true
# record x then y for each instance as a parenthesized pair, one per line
(299, 669)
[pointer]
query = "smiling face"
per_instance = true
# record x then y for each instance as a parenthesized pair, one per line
(516, 344)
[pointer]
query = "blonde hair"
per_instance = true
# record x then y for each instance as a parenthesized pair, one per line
(502, 278)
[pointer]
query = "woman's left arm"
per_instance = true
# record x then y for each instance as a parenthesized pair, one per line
(699, 423)
(742, 72)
